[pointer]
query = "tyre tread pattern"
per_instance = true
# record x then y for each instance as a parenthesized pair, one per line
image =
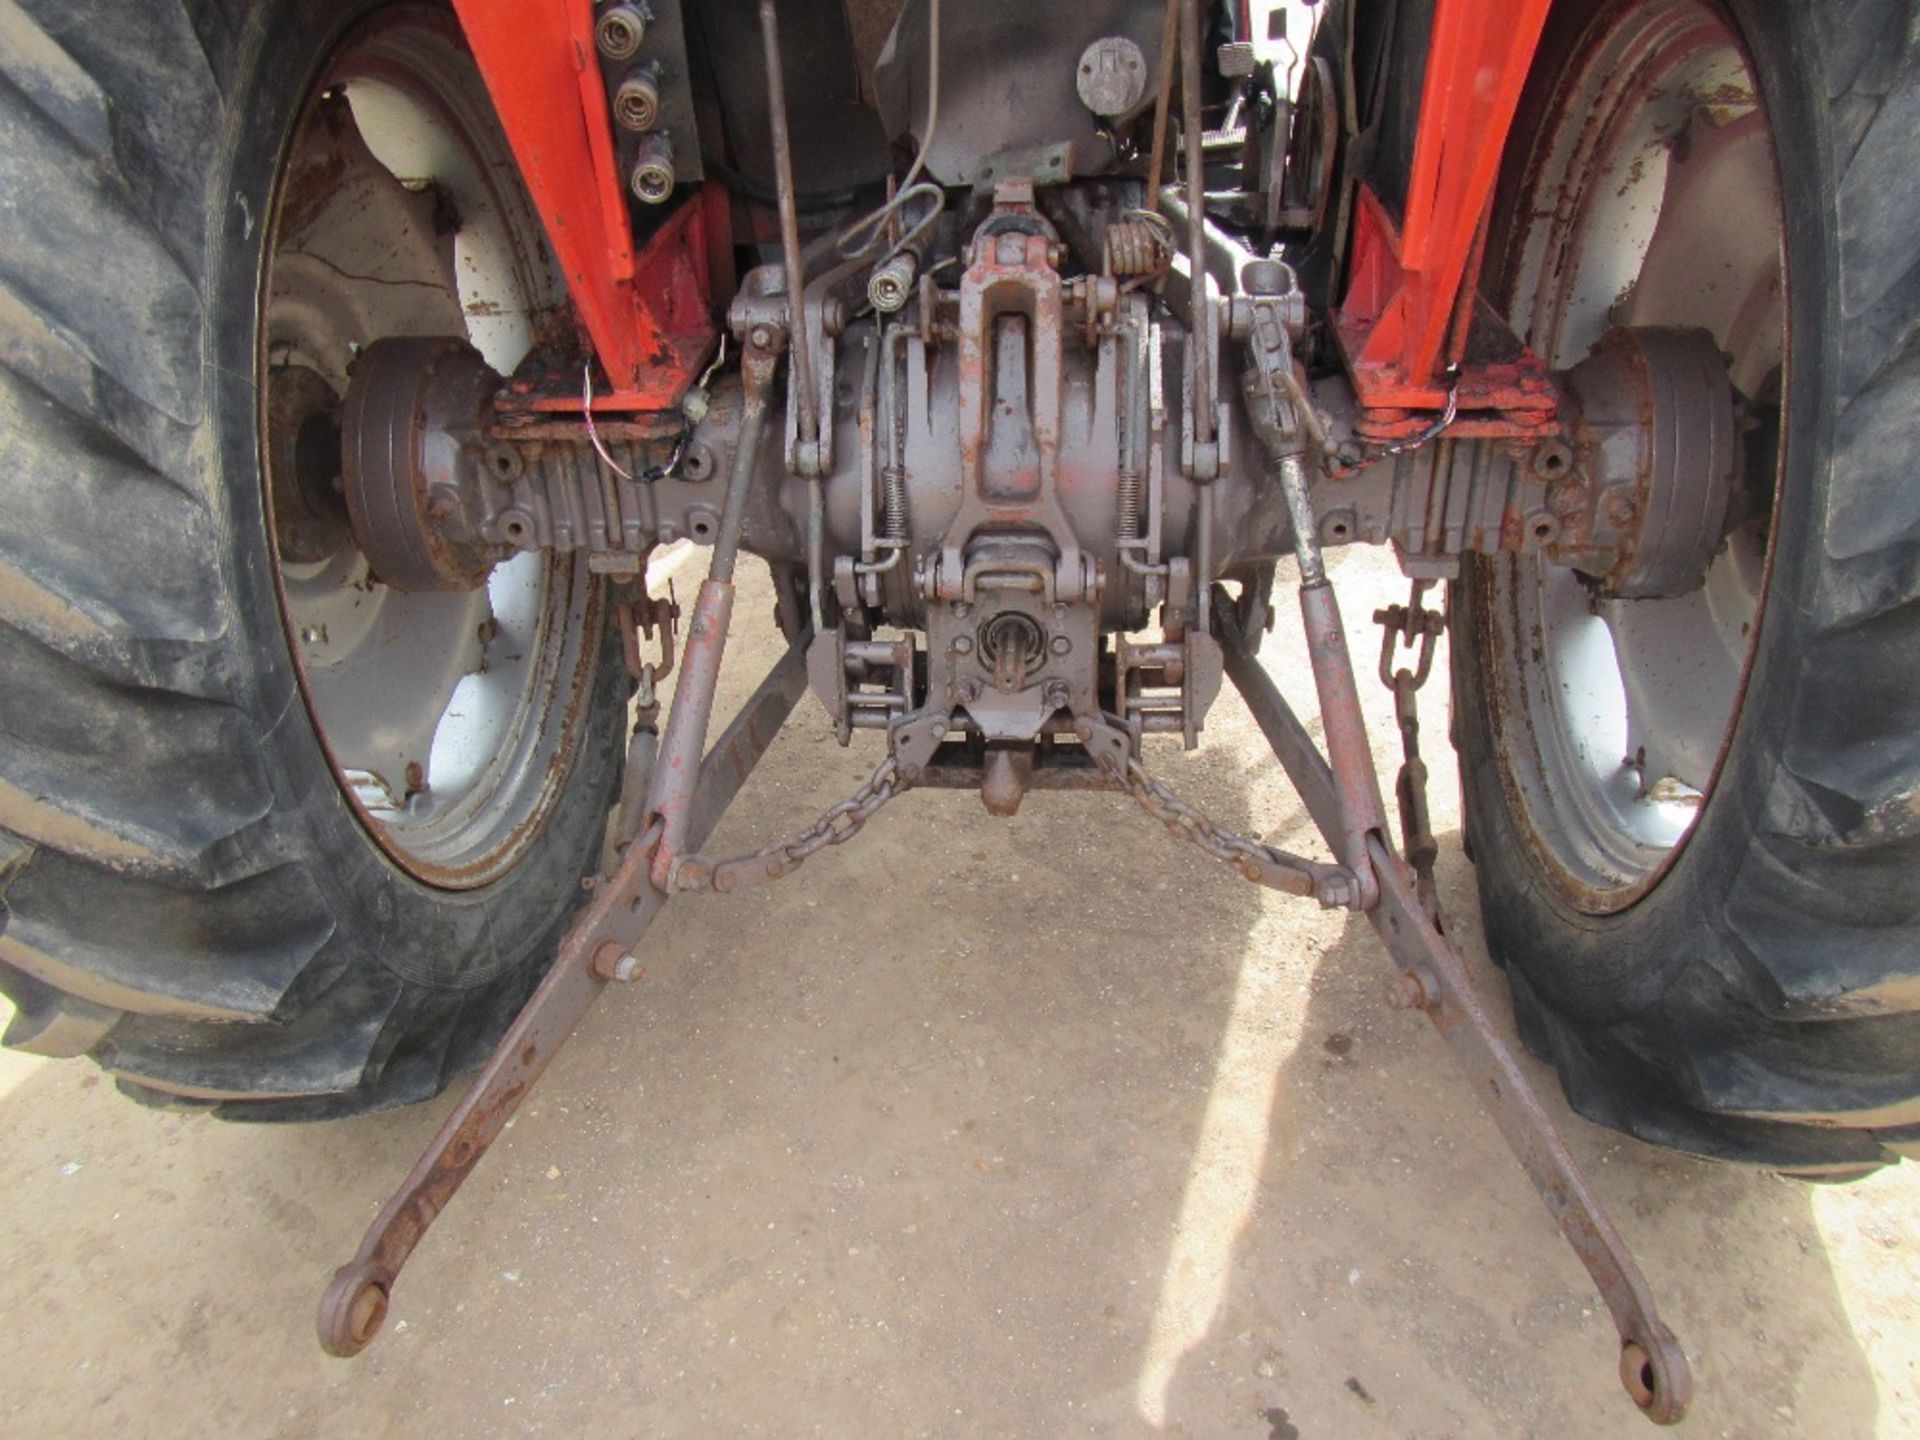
(1789, 1032)
(156, 910)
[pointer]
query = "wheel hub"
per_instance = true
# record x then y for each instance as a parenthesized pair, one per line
(415, 410)
(1646, 508)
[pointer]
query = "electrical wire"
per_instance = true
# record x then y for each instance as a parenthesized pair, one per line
(653, 472)
(593, 434)
(865, 235)
(1433, 432)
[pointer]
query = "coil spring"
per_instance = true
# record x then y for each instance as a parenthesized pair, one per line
(1129, 498)
(1138, 245)
(894, 482)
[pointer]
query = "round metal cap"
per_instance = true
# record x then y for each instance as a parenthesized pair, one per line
(413, 404)
(1112, 76)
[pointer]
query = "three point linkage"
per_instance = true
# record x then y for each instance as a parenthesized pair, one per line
(1432, 978)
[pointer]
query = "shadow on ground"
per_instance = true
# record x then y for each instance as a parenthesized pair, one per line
(1025, 1128)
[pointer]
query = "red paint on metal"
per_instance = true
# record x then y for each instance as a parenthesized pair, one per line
(647, 315)
(1409, 300)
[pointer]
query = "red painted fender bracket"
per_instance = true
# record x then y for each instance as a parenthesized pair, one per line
(648, 314)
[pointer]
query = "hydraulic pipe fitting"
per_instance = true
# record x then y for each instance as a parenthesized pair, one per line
(891, 285)
(652, 177)
(619, 31)
(636, 103)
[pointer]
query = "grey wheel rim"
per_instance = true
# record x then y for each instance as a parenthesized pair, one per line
(449, 718)
(1653, 202)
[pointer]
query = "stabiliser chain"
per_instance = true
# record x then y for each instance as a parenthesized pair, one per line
(1419, 629)
(837, 825)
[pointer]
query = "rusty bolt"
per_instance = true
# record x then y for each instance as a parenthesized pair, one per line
(1622, 508)
(1058, 695)
(612, 962)
(962, 645)
(416, 777)
(1408, 992)
(439, 505)
(966, 690)
(760, 337)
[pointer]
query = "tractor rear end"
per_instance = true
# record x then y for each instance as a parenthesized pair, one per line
(1025, 348)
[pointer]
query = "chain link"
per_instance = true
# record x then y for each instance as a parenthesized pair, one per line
(1263, 864)
(1414, 626)
(782, 857)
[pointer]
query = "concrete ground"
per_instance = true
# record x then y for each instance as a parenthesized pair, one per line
(973, 1127)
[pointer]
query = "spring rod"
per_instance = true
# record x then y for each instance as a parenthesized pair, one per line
(1201, 321)
(796, 274)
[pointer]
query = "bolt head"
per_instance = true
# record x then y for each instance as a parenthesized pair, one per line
(1407, 993)
(760, 337)
(607, 959)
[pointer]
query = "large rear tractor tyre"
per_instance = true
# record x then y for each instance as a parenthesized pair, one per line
(1696, 819)
(274, 836)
